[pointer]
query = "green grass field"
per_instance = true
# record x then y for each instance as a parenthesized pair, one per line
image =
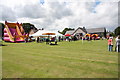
(0, 62)
(65, 60)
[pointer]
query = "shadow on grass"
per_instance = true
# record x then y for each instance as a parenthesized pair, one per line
(53, 44)
(2, 45)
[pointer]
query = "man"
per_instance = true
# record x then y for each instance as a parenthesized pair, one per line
(118, 44)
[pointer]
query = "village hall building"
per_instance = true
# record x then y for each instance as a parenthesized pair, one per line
(81, 31)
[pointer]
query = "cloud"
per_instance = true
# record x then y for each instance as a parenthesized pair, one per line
(59, 10)
(57, 15)
(119, 13)
(107, 14)
(31, 11)
(7, 13)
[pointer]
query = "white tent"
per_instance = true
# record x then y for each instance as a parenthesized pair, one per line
(40, 32)
(58, 34)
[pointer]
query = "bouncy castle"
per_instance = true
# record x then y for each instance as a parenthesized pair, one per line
(14, 32)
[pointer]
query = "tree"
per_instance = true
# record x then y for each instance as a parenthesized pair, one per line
(1, 30)
(112, 34)
(117, 31)
(27, 27)
(65, 30)
(105, 32)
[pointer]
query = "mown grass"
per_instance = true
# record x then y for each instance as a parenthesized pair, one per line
(0, 62)
(65, 60)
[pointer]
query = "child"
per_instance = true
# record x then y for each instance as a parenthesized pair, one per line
(110, 44)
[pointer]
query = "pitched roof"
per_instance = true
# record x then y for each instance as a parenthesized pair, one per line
(95, 30)
(73, 31)
(92, 30)
(83, 29)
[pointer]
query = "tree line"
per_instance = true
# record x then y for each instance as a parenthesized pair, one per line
(28, 26)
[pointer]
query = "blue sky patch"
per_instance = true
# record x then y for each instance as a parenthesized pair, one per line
(42, 2)
(97, 2)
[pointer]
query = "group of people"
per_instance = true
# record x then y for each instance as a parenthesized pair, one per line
(110, 41)
(117, 44)
(48, 40)
(70, 38)
(40, 39)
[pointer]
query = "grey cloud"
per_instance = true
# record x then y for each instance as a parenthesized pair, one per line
(7, 14)
(119, 13)
(59, 10)
(31, 11)
(50, 15)
(45, 22)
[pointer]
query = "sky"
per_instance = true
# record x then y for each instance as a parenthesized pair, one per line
(56, 15)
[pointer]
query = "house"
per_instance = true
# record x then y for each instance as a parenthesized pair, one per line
(99, 31)
(81, 31)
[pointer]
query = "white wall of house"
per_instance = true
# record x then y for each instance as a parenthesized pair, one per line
(79, 31)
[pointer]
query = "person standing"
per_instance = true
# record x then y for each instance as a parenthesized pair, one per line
(47, 40)
(38, 39)
(118, 44)
(110, 44)
(69, 38)
(59, 38)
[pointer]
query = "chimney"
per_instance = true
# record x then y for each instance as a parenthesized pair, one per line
(84, 28)
(42, 28)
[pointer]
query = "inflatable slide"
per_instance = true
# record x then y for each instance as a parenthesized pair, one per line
(14, 32)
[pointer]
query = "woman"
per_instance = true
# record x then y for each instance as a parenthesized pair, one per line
(118, 44)
(110, 44)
